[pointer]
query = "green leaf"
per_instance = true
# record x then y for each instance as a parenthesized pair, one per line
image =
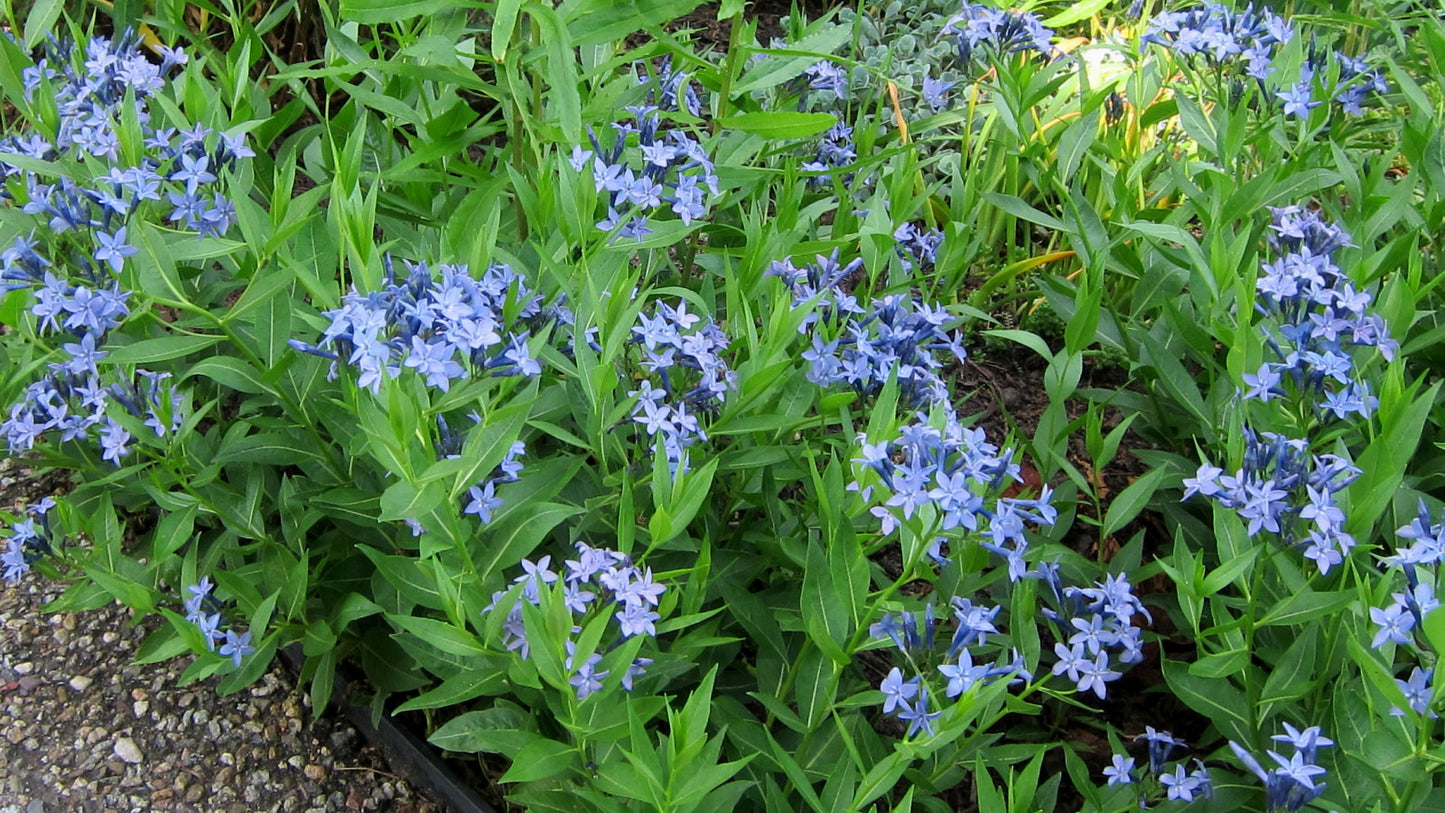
(1033, 341)
(372, 12)
(441, 635)
(1020, 209)
(405, 574)
(174, 530)
(696, 486)
(1128, 503)
(252, 667)
(271, 448)
(162, 645)
(318, 638)
(1220, 664)
(129, 592)
(40, 22)
(815, 686)
(599, 21)
(488, 679)
(149, 351)
(881, 778)
(504, 23)
(780, 126)
(230, 372)
(1386, 752)
(502, 729)
(261, 618)
(1232, 569)
(1214, 698)
(1387, 456)
(794, 772)
(561, 70)
(1197, 123)
(1378, 674)
(511, 539)
(1290, 677)
(1176, 380)
(261, 290)
(779, 65)
(1434, 629)
(1304, 606)
(324, 679)
(543, 759)
(485, 446)
(825, 611)
(1076, 140)
(350, 504)
(402, 500)
(1075, 12)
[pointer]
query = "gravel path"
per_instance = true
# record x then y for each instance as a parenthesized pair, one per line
(85, 730)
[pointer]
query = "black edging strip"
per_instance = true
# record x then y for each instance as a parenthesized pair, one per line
(413, 758)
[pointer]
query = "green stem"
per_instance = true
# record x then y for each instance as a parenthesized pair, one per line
(724, 96)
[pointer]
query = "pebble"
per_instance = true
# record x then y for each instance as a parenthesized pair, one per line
(80, 683)
(126, 749)
(314, 772)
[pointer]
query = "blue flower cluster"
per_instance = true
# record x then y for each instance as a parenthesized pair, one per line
(647, 167)
(915, 634)
(825, 77)
(687, 377)
(670, 88)
(1281, 487)
(1178, 784)
(935, 93)
(950, 477)
(482, 497)
(597, 581)
(918, 247)
(1316, 316)
(94, 89)
(1357, 80)
(1100, 622)
(995, 32)
(204, 610)
(85, 216)
(1400, 621)
(74, 400)
(897, 335)
(835, 151)
(445, 331)
(28, 540)
(1290, 784)
(1223, 36)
